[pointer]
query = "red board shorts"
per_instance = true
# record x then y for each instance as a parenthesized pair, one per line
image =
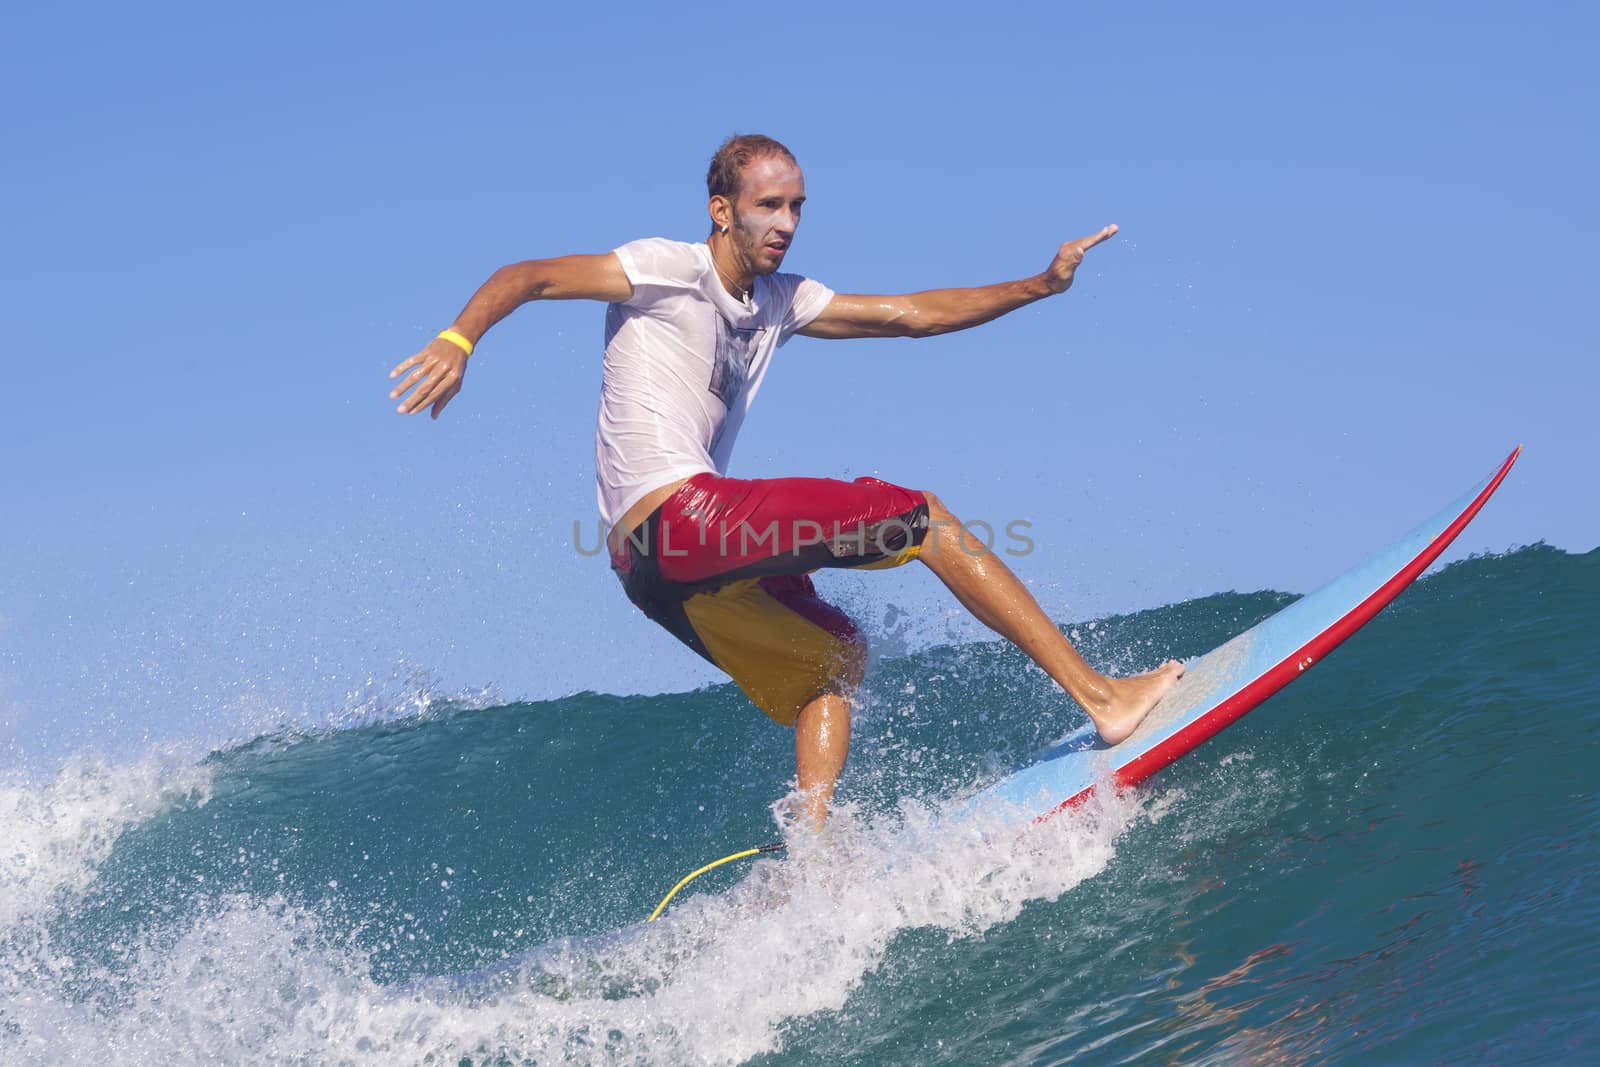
(724, 565)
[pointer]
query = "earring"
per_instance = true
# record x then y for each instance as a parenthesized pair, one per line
(724, 229)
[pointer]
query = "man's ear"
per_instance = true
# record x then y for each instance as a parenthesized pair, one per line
(721, 210)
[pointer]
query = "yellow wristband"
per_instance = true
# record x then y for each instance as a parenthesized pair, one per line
(457, 340)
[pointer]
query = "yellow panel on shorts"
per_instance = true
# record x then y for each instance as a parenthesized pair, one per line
(779, 658)
(891, 561)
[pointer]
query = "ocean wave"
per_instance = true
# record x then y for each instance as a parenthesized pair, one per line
(1402, 828)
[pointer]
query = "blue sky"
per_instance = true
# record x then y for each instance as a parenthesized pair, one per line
(1356, 267)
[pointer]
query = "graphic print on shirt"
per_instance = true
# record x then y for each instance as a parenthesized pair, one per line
(735, 349)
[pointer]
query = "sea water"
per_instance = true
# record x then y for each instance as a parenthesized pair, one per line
(1392, 861)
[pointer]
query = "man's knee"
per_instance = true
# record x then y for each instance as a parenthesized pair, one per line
(942, 524)
(948, 533)
(937, 512)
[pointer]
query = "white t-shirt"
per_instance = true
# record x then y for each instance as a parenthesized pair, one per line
(684, 359)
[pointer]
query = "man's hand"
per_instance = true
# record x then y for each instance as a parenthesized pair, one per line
(1059, 276)
(436, 372)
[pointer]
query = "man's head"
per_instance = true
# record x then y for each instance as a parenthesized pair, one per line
(756, 191)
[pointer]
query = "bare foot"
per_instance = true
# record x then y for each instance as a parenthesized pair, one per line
(1132, 699)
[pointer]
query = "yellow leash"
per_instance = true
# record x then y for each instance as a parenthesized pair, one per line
(711, 866)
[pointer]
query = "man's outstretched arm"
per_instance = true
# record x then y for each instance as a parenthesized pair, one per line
(947, 310)
(436, 371)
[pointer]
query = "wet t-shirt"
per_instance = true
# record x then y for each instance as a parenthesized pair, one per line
(684, 360)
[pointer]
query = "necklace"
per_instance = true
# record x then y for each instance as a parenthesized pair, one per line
(744, 294)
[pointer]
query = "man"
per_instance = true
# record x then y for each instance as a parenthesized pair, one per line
(724, 563)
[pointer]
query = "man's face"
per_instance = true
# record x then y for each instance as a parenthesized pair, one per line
(767, 212)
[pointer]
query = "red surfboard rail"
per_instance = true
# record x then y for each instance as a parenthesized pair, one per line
(1292, 666)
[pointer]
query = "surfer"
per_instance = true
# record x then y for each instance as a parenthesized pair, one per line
(724, 563)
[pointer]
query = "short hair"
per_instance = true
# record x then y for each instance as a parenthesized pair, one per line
(737, 153)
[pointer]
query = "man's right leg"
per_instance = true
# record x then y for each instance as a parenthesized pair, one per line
(822, 733)
(721, 564)
(988, 589)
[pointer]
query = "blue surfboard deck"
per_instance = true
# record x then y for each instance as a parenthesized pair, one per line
(1224, 684)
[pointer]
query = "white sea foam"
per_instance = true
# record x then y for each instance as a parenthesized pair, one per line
(53, 836)
(260, 981)
(407, 692)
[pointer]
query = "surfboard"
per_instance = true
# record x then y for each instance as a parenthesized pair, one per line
(1223, 685)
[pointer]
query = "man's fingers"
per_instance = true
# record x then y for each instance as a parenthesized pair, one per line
(1086, 243)
(439, 388)
(411, 379)
(451, 388)
(421, 398)
(434, 379)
